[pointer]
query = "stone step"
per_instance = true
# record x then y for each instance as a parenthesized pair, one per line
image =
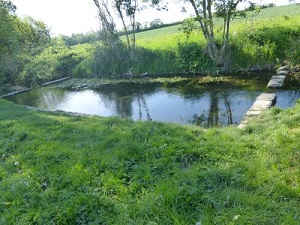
(267, 97)
(282, 72)
(277, 81)
(263, 102)
(279, 78)
(275, 84)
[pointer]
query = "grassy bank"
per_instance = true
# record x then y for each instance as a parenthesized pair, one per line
(61, 169)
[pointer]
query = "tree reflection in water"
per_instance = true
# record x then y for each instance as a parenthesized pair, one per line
(202, 105)
(142, 103)
(211, 118)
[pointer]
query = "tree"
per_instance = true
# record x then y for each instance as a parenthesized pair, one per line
(108, 33)
(33, 34)
(8, 41)
(20, 41)
(127, 8)
(156, 23)
(206, 12)
(224, 9)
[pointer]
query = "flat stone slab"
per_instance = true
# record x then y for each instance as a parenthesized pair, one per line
(258, 108)
(275, 84)
(284, 68)
(250, 114)
(282, 72)
(263, 102)
(278, 77)
(253, 113)
(277, 81)
(267, 97)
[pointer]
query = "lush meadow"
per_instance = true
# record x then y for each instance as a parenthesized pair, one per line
(62, 169)
(58, 168)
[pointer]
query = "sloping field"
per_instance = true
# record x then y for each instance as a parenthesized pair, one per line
(168, 37)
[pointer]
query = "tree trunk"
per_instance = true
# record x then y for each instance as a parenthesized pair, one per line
(215, 54)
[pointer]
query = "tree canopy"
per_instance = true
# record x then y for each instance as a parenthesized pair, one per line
(19, 39)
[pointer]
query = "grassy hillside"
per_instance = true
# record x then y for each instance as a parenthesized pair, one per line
(61, 169)
(267, 40)
(168, 37)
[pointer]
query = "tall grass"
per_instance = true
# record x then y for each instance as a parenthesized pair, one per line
(61, 169)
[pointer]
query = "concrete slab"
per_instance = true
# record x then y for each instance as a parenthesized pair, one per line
(278, 77)
(282, 72)
(274, 84)
(258, 108)
(265, 103)
(251, 113)
(267, 97)
(284, 68)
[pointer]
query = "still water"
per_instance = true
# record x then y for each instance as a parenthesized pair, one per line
(207, 106)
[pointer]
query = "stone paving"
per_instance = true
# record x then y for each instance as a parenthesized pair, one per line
(263, 102)
(277, 81)
(266, 100)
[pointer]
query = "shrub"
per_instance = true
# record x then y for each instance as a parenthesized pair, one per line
(154, 61)
(38, 70)
(111, 61)
(192, 58)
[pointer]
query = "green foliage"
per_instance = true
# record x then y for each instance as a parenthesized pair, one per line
(76, 39)
(19, 40)
(8, 42)
(27, 56)
(33, 34)
(84, 69)
(266, 42)
(39, 70)
(111, 61)
(292, 51)
(154, 61)
(62, 169)
(192, 58)
(55, 61)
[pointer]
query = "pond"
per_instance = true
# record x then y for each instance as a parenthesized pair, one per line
(207, 106)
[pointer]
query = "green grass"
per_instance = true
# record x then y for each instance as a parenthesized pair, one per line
(168, 37)
(62, 169)
(268, 39)
(255, 41)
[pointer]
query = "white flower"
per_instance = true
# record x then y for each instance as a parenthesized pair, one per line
(16, 163)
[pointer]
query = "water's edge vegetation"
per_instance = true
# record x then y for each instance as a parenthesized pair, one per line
(259, 42)
(62, 169)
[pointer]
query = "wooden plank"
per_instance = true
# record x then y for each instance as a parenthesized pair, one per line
(55, 81)
(15, 93)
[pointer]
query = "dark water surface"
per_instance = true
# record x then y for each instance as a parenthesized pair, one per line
(207, 106)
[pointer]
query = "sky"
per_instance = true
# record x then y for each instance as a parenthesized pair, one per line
(80, 16)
